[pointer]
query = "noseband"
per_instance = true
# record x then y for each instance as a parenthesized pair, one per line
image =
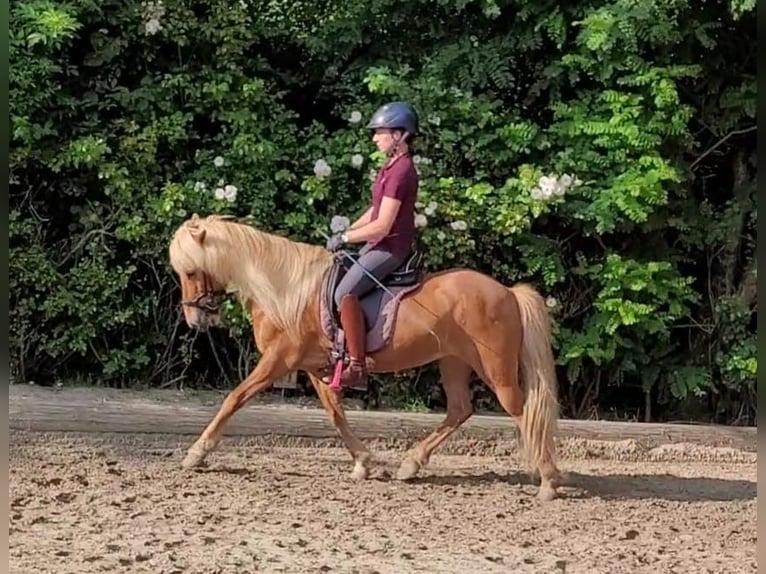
(208, 300)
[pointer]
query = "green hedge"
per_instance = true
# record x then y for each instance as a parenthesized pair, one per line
(604, 151)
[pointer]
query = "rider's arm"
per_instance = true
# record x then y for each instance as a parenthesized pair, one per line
(389, 208)
(364, 219)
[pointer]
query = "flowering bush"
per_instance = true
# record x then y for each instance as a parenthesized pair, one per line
(586, 152)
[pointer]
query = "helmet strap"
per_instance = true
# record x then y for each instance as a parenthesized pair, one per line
(395, 149)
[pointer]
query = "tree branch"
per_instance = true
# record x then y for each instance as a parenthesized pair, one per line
(721, 142)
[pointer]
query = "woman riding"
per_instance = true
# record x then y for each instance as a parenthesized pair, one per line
(387, 228)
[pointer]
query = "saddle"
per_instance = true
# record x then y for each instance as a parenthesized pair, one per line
(408, 273)
(379, 306)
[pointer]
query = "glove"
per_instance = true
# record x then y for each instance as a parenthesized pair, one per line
(335, 242)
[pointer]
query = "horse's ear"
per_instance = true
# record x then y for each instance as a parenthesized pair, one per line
(198, 234)
(194, 217)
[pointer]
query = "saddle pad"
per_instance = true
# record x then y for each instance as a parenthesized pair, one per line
(380, 311)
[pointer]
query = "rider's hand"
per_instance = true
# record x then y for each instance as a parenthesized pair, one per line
(335, 242)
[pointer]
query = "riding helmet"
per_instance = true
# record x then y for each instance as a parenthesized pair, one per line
(395, 115)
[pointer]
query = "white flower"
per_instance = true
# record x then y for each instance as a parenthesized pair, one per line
(418, 205)
(431, 209)
(416, 159)
(218, 161)
(230, 193)
(357, 160)
(356, 117)
(547, 185)
(563, 183)
(153, 11)
(199, 186)
(339, 223)
(491, 10)
(459, 225)
(373, 175)
(551, 302)
(152, 26)
(322, 168)
(219, 193)
(421, 220)
(435, 120)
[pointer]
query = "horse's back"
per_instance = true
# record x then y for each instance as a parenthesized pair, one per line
(463, 292)
(458, 306)
(459, 280)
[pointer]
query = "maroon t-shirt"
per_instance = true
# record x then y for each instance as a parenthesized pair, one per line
(398, 179)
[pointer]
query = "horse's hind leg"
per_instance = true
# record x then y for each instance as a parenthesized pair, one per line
(502, 375)
(334, 407)
(455, 376)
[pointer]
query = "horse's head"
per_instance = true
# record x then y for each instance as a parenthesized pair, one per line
(201, 291)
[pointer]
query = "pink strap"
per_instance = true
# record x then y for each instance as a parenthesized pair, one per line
(335, 383)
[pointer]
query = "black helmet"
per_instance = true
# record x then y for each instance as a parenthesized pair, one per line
(395, 115)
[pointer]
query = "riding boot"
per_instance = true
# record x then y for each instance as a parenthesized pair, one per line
(352, 321)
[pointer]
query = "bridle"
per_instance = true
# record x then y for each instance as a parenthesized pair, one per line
(208, 300)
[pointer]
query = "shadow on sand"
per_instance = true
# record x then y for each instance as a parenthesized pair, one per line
(576, 486)
(619, 486)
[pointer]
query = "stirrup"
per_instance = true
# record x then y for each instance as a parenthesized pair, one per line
(357, 371)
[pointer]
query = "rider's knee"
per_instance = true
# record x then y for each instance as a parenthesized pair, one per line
(339, 295)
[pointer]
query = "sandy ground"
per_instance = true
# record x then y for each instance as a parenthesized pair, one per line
(121, 503)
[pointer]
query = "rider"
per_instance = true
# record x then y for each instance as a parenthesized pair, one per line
(387, 228)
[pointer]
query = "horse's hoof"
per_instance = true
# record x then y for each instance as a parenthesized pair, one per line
(408, 469)
(194, 457)
(546, 493)
(360, 472)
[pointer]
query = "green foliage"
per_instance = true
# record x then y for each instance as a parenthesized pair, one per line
(582, 147)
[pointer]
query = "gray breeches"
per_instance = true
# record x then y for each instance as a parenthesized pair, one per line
(356, 281)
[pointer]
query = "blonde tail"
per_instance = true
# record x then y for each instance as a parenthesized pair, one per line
(538, 377)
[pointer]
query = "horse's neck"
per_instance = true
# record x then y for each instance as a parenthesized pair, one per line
(266, 287)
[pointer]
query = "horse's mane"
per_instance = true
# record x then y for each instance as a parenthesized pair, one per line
(278, 275)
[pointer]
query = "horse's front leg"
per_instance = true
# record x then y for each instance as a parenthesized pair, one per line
(271, 367)
(334, 406)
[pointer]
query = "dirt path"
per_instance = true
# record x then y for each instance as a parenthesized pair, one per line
(84, 503)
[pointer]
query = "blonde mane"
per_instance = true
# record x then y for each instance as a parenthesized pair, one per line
(279, 276)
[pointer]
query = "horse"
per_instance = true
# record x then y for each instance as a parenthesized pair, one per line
(463, 319)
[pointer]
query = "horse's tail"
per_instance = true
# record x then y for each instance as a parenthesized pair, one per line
(538, 377)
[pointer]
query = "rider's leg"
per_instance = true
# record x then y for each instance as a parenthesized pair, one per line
(354, 285)
(357, 282)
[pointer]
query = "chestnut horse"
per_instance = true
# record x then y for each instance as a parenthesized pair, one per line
(472, 324)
